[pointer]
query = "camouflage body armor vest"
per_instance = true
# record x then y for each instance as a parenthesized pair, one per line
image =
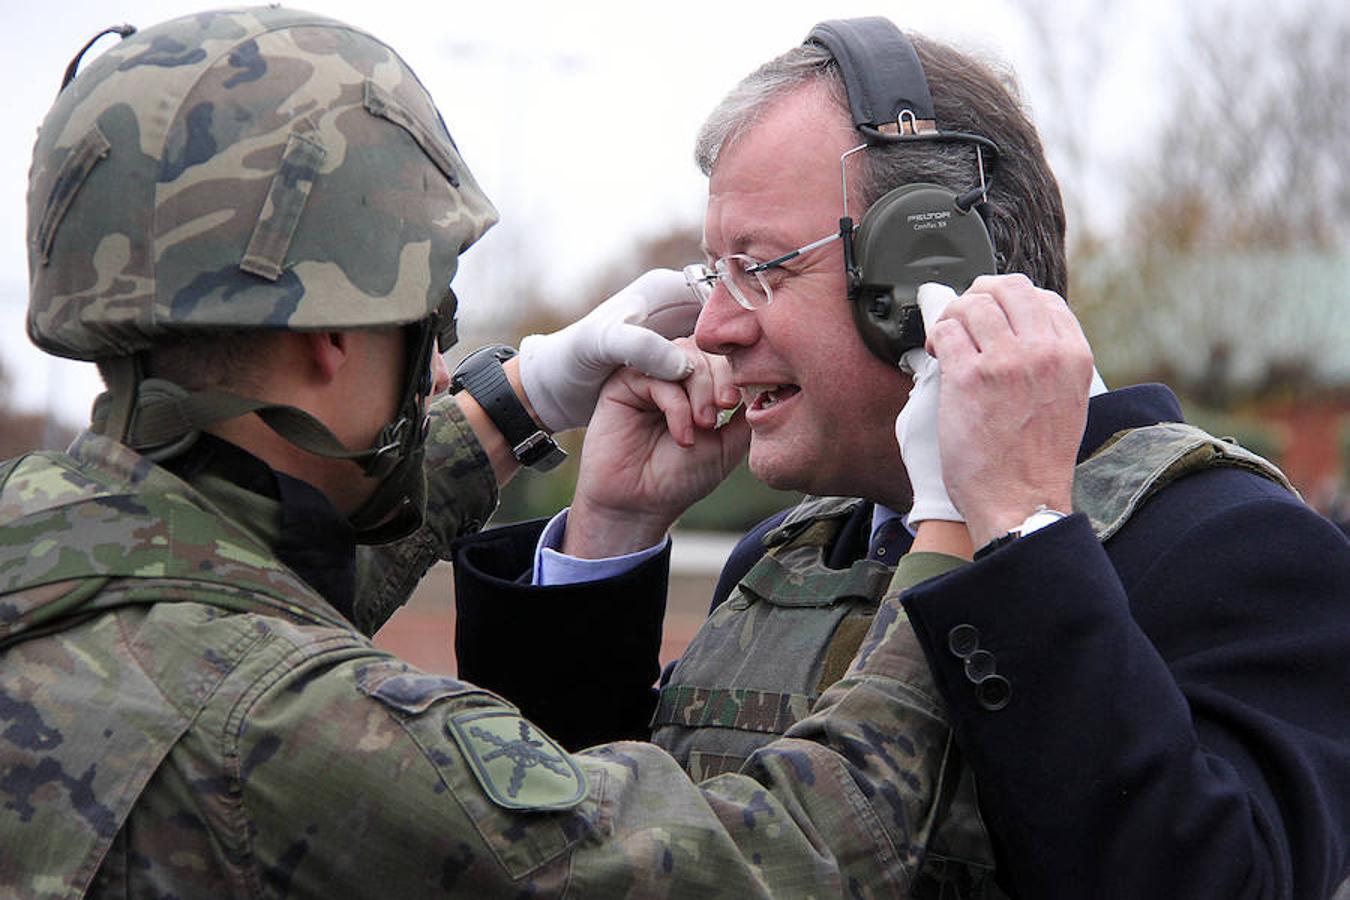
(91, 715)
(790, 627)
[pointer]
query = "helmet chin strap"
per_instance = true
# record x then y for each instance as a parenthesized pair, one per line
(398, 506)
(161, 420)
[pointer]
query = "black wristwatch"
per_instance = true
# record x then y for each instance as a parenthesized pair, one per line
(480, 373)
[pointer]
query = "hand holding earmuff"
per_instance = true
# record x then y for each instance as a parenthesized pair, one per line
(916, 428)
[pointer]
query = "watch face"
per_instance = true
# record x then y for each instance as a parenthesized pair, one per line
(492, 354)
(480, 373)
(1039, 520)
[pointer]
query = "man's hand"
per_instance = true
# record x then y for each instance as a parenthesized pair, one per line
(562, 372)
(1015, 375)
(652, 450)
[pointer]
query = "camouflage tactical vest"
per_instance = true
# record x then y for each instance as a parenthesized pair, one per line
(790, 627)
(82, 535)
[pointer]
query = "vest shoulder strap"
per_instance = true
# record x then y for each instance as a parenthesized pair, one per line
(1136, 463)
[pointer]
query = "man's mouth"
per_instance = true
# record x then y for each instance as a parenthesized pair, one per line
(765, 396)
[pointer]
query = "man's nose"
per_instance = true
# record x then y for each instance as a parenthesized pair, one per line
(724, 325)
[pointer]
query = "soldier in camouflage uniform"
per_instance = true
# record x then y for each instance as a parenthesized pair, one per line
(1146, 697)
(249, 219)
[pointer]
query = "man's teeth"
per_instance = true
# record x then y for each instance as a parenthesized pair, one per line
(761, 396)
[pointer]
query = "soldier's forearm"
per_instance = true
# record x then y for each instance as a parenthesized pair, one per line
(461, 495)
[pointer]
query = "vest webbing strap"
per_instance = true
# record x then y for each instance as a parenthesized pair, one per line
(741, 708)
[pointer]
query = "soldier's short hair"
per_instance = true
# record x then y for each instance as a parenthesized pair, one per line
(213, 361)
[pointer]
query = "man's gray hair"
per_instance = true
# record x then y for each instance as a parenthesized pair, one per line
(1024, 212)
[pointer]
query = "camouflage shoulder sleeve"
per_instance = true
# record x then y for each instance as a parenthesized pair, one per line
(890, 647)
(461, 495)
(373, 778)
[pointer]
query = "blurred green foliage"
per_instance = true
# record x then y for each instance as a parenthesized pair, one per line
(735, 506)
(1256, 435)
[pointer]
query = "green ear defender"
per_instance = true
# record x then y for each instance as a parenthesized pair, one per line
(914, 234)
(917, 232)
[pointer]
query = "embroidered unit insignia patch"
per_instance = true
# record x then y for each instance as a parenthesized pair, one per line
(518, 766)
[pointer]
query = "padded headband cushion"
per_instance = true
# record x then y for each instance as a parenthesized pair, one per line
(881, 71)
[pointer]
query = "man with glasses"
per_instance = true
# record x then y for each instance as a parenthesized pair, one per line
(1143, 667)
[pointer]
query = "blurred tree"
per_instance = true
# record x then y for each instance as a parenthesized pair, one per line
(1069, 43)
(1228, 277)
(674, 248)
(21, 432)
(1222, 264)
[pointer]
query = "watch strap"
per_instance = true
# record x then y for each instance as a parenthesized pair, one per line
(1042, 517)
(1001, 541)
(481, 374)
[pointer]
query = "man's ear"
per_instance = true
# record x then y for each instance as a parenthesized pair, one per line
(326, 351)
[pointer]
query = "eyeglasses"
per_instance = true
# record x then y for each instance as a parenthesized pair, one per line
(743, 275)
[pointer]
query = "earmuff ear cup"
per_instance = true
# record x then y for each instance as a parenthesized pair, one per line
(913, 234)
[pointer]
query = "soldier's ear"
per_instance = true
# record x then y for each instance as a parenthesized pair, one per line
(323, 353)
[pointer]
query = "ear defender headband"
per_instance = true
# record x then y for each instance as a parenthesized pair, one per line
(917, 232)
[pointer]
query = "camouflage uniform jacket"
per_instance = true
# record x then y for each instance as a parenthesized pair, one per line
(789, 627)
(180, 715)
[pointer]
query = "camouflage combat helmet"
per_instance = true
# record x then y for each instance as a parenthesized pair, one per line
(248, 169)
(263, 168)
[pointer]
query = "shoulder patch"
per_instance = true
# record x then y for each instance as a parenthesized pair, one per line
(518, 766)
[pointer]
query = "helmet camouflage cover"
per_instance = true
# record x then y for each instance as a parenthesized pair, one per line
(262, 168)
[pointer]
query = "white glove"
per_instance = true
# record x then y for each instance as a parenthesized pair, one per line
(916, 428)
(562, 372)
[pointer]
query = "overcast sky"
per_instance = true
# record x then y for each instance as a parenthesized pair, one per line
(577, 119)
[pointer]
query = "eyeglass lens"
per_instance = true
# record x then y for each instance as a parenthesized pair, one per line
(750, 291)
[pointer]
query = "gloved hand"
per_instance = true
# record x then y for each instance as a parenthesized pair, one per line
(562, 372)
(916, 428)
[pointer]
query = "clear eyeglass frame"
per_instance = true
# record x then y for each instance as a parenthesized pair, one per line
(743, 275)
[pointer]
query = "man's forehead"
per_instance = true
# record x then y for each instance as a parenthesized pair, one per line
(747, 221)
(744, 232)
(781, 210)
(779, 177)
